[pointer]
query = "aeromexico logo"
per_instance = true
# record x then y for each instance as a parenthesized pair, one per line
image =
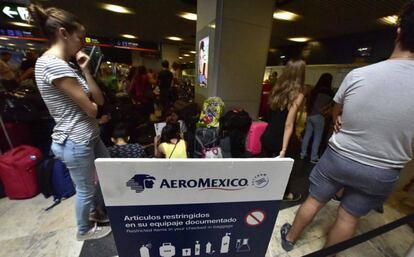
(140, 182)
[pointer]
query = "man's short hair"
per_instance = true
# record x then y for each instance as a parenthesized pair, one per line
(4, 53)
(406, 25)
(165, 64)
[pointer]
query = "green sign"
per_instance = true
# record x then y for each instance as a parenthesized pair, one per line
(14, 12)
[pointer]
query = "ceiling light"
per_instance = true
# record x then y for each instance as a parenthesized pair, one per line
(193, 52)
(4, 38)
(282, 57)
(108, 62)
(21, 24)
(389, 20)
(32, 48)
(128, 36)
(11, 44)
(188, 15)
(285, 15)
(273, 50)
(186, 55)
(30, 44)
(116, 8)
(299, 39)
(175, 38)
(180, 58)
(213, 26)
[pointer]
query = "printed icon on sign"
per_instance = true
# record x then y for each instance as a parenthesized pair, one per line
(209, 248)
(261, 180)
(187, 252)
(197, 248)
(167, 250)
(225, 243)
(242, 245)
(144, 250)
(140, 182)
(255, 218)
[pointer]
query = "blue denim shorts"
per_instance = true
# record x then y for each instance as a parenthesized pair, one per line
(366, 187)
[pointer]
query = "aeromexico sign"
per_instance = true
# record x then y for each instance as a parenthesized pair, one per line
(140, 182)
(193, 207)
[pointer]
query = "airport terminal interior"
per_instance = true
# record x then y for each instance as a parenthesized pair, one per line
(189, 90)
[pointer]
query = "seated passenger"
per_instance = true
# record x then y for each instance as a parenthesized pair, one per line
(170, 144)
(121, 148)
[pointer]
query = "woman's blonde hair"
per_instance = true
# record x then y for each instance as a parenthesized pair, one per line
(288, 85)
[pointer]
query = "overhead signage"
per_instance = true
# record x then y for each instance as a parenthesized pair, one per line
(15, 33)
(193, 207)
(15, 12)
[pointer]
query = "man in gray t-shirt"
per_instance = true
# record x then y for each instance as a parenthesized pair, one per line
(373, 141)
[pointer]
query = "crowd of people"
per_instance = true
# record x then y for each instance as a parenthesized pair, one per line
(369, 123)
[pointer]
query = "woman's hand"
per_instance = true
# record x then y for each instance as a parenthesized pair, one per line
(282, 154)
(83, 61)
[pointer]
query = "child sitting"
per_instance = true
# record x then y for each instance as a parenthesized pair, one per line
(121, 148)
(170, 145)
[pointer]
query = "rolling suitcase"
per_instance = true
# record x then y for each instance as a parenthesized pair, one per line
(18, 172)
(254, 145)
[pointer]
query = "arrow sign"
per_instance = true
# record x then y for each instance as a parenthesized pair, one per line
(7, 10)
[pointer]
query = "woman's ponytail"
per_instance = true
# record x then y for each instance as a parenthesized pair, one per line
(51, 19)
(39, 16)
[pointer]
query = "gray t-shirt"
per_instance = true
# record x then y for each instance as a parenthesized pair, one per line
(378, 115)
(71, 121)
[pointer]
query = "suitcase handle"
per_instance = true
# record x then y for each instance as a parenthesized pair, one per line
(5, 133)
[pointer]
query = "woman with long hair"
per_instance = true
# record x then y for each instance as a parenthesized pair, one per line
(75, 102)
(284, 101)
(320, 98)
(170, 144)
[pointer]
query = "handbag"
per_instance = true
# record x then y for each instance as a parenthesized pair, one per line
(214, 152)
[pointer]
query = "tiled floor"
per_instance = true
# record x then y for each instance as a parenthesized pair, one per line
(26, 230)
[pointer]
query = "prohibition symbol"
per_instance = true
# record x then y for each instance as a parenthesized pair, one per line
(255, 218)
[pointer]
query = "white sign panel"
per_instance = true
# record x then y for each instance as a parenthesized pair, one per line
(193, 207)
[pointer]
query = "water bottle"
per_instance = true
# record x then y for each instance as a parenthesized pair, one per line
(225, 243)
(144, 251)
(197, 249)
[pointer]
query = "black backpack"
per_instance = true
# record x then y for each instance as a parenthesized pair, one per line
(234, 127)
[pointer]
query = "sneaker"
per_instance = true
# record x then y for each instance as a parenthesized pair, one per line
(314, 161)
(98, 217)
(286, 244)
(337, 198)
(292, 197)
(94, 233)
(380, 209)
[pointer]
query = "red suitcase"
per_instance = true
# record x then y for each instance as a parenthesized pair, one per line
(18, 172)
(254, 144)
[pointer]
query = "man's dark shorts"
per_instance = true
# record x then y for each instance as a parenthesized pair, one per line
(366, 187)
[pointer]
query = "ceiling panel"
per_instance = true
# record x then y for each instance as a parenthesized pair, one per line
(329, 18)
(155, 19)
